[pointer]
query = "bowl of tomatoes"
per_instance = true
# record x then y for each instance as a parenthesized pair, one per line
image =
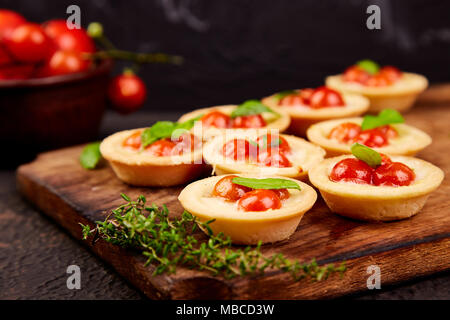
(52, 93)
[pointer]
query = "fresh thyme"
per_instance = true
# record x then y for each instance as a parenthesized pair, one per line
(169, 243)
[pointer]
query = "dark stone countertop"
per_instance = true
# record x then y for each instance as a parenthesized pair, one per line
(35, 252)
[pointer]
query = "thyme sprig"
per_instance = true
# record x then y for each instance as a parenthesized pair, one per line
(171, 242)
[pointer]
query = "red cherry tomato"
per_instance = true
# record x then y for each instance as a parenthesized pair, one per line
(352, 170)
(28, 43)
(64, 62)
(389, 131)
(134, 141)
(239, 150)
(5, 57)
(252, 121)
(272, 141)
(282, 194)
(391, 73)
(259, 200)
(378, 80)
(216, 119)
(356, 74)
(345, 132)
(187, 142)
(385, 159)
(273, 158)
(373, 138)
(302, 97)
(326, 97)
(161, 148)
(17, 71)
(9, 20)
(76, 40)
(393, 174)
(127, 93)
(225, 188)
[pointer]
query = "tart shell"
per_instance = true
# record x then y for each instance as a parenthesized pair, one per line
(377, 203)
(399, 96)
(246, 227)
(410, 142)
(303, 117)
(141, 169)
(281, 123)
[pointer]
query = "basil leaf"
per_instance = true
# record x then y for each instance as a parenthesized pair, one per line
(250, 107)
(90, 156)
(280, 95)
(386, 116)
(165, 129)
(267, 183)
(368, 65)
(273, 144)
(366, 154)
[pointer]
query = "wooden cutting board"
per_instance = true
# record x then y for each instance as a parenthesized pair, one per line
(419, 246)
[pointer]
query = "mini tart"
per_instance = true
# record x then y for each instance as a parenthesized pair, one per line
(400, 96)
(140, 169)
(377, 203)
(302, 117)
(304, 155)
(247, 227)
(409, 141)
(279, 122)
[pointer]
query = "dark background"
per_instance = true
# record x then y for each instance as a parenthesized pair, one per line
(240, 49)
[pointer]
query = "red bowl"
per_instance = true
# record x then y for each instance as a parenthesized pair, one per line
(48, 113)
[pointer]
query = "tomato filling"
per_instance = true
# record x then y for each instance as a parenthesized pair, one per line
(164, 147)
(388, 173)
(249, 199)
(219, 119)
(385, 76)
(320, 97)
(268, 150)
(349, 132)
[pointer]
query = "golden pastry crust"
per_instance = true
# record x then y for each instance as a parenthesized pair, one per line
(280, 123)
(143, 169)
(399, 96)
(377, 203)
(304, 156)
(302, 117)
(410, 140)
(247, 227)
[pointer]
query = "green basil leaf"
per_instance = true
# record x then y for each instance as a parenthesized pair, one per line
(366, 154)
(250, 107)
(368, 65)
(267, 183)
(165, 129)
(280, 95)
(90, 156)
(385, 117)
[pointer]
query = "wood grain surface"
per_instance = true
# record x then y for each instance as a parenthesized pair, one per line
(419, 246)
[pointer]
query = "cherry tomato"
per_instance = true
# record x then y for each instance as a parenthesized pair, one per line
(345, 132)
(187, 142)
(272, 141)
(393, 174)
(64, 62)
(239, 150)
(127, 93)
(291, 100)
(273, 158)
(76, 40)
(373, 138)
(378, 80)
(28, 43)
(356, 74)
(391, 73)
(5, 58)
(161, 148)
(225, 188)
(259, 200)
(8, 21)
(325, 97)
(352, 170)
(389, 131)
(385, 159)
(252, 121)
(216, 119)
(282, 194)
(17, 71)
(134, 141)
